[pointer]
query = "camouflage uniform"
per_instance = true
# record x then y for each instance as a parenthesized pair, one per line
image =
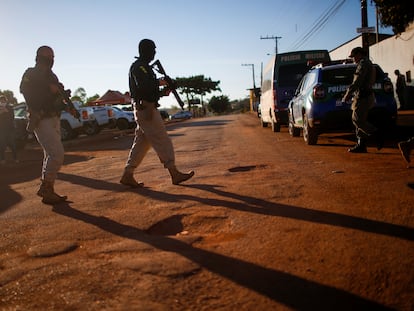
(364, 98)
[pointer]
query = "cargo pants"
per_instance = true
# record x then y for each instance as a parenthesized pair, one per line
(150, 132)
(360, 110)
(47, 133)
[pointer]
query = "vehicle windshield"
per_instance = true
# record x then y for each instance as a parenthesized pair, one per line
(341, 76)
(345, 75)
(290, 75)
(20, 112)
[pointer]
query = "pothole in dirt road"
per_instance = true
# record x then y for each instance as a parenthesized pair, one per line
(201, 224)
(247, 168)
(169, 226)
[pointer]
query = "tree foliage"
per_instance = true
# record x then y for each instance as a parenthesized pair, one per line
(396, 14)
(219, 104)
(79, 95)
(10, 97)
(92, 98)
(196, 85)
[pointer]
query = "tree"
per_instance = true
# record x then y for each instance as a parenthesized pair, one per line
(79, 95)
(196, 85)
(10, 97)
(219, 104)
(397, 14)
(91, 99)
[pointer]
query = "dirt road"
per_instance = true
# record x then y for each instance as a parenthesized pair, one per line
(267, 223)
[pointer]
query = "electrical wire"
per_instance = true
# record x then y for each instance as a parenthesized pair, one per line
(318, 25)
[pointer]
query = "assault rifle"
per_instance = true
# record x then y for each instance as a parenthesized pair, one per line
(170, 83)
(64, 94)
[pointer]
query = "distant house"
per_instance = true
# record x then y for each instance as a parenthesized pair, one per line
(112, 98)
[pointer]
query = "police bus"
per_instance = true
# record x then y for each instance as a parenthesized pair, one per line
(281, 76)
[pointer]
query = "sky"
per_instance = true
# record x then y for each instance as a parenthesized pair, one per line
(95, 42)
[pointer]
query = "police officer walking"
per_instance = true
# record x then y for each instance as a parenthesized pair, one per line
(150, 131)
(363, 100)
(41, 90)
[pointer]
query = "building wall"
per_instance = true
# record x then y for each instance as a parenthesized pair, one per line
(343, 51)
(395, 52)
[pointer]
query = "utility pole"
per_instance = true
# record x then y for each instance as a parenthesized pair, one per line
(254, 84)
(272, 38)
(364, 24)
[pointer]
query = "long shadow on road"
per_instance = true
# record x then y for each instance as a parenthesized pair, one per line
(287, 289)
(255, 205)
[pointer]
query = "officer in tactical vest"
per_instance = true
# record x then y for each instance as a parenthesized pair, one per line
(150, 131)
(41, 90)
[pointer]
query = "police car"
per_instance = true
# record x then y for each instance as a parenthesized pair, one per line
(317, 105)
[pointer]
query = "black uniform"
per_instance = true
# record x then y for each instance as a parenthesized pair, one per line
(35, 87)
(143, 83)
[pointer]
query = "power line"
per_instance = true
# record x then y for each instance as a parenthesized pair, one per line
(318, 24)
(272, 37)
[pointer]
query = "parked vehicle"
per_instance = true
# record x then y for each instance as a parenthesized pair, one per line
(70, 127)
(281, 77)
(91, 121)
(124, 119)
(317, 106)
(184, 114)
(96, 118)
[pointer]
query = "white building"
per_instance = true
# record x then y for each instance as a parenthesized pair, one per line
(390, 52)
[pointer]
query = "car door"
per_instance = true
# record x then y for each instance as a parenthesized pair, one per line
(298, 101)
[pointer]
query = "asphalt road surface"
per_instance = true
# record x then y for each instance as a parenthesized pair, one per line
(267, 223)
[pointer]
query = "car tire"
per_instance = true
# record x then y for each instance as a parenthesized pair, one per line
(66, 132)
(309, 134)
(293, 131)
(91, 128)
(122, 124)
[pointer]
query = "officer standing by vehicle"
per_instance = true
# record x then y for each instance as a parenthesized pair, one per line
(363, 100)
(41, 90)
(150, 131)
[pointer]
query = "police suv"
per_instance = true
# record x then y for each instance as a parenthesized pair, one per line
(317, 105)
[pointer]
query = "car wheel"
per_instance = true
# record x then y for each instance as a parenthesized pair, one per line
(293, 131)
(122, 124)
(66, 131)
(309, 134)
(91, 128)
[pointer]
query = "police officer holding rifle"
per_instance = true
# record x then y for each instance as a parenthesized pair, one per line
(150, 131)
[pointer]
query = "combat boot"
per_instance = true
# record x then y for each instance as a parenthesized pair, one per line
(360, 147)
(128, 179)
(48, 194)
(177, 177)
(405, 148)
